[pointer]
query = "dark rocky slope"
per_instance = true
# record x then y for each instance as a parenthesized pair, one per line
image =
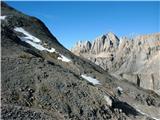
(39, 82)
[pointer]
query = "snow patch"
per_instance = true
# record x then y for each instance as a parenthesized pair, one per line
(28, 35)
(108, 100)
(146, 114)
(90, 79)
(33, 41)
(38, 46)
(63, 58)
(36, 43)
(2, 17)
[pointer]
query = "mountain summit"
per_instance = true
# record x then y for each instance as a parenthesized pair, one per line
(43, 80)
(100, 44)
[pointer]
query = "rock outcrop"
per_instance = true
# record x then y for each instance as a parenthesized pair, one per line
(135, 59)
(82, 47)
(102, 43)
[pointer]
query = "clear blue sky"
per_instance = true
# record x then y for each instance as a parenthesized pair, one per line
(73, 21)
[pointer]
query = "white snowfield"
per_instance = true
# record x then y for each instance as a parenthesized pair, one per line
(147, 114)
(37, 43)
(37, 46)
(28, 35)
(2, 17)
(63, 58)
(90, 79)
(108, 100)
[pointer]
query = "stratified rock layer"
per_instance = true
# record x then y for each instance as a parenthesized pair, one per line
(136, 59)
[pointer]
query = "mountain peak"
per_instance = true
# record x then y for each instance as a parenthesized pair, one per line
(111, 34)
(100, 44)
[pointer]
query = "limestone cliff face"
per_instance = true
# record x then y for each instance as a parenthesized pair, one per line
(105, 43)
(135, 59)
(82, 47)
(101, 44)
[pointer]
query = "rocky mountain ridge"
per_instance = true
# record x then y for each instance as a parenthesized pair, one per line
(43, 80)
(135, 59)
